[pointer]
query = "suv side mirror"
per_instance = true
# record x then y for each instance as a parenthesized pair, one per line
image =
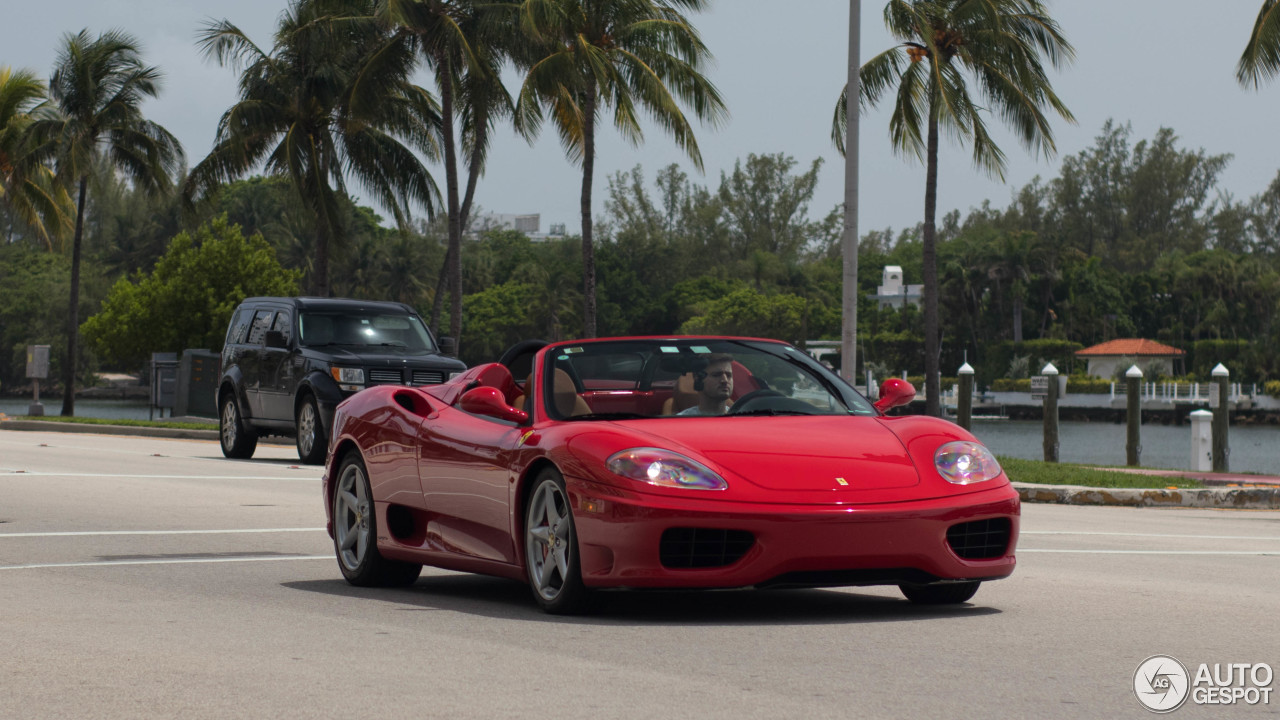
(895, 392)
(448, 346)
(275, 339)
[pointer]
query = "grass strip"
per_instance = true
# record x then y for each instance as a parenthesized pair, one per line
(1044, 473)
(119, 422)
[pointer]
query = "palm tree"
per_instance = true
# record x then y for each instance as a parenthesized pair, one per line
(999, 43)
(462, 41)
(1261, 58)
(27, 186)
(316, 108)
(98, 86)
(591, 55)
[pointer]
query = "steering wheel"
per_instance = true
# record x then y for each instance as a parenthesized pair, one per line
(741, 404)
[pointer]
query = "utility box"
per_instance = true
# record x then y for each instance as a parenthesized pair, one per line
(37, 362)
(164, 382)
(197, 383)
(1202, 441)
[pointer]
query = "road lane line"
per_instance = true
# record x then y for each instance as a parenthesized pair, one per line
(1152, 552)
(1151, 535)
(25, 473)
(187, 561)
(92, 533)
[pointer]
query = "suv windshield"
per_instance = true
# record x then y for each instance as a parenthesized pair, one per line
(691, 377)
(319, 329)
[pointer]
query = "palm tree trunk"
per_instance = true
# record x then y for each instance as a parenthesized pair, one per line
(931, 340)
(320, 271)
(442, 287)
(453, 258)
(73, 312)
(588, 250)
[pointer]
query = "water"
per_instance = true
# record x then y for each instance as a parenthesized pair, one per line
(1254, 448)
(105, 409)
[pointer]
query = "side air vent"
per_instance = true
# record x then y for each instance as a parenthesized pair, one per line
(980, 539)
(703, 547)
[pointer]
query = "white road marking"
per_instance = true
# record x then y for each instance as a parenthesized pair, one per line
(1152, 552)
(25, 473)
(93, 533)
(175, 561)
(1151, 535)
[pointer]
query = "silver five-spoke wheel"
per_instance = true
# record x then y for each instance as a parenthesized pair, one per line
(351, 513)
(551, 548)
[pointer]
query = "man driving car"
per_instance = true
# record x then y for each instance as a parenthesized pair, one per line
(714, 385)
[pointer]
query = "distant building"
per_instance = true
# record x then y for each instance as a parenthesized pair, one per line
(894, 293)
(1114, 356)
(530, 225)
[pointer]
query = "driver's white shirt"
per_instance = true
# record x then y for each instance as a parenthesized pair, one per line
(696, 410)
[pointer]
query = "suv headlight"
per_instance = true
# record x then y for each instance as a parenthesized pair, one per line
(965, 462)
(664, 469)
(351, 379)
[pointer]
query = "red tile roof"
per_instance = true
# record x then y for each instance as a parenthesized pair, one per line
(1130, 347)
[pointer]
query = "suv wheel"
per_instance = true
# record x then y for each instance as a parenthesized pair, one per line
(312, 441)
(237, 440)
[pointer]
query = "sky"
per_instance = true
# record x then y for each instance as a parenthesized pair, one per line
(780, 68)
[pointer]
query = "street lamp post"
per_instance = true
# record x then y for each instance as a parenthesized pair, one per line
(849, 246)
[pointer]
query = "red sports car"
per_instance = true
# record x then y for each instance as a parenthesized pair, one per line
(664, 462)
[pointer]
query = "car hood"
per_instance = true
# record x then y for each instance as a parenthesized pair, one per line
(381, 356)
(820, 453)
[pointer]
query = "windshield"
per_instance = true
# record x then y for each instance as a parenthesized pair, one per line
(357, 329)
(690, 377)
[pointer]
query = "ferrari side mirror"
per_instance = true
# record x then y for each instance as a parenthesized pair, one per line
(489, 402)
(895, 392)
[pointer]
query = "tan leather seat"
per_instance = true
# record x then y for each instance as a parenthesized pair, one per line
(568, 402)
(683, 396)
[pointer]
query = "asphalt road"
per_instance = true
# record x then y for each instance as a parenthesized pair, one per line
(153, 578)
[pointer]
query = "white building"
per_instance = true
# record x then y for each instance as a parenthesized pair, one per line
(896, 294)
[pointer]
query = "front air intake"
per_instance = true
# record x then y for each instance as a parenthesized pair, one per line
(980, 539)
(684, 548)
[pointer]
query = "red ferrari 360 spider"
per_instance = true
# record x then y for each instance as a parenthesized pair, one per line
(670, 462)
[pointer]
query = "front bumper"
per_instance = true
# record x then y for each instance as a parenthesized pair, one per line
(619, 535)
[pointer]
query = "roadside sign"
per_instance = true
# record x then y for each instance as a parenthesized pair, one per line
(37, 362)
(1039, 387)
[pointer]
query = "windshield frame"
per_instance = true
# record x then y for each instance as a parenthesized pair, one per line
(555, 356)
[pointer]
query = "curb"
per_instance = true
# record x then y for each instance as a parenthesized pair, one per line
(1244, 498)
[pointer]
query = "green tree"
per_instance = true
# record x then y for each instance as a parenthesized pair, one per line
(1000, 44)
(187, 300)
(592, 55)
(462, 42)
(99, 85)
(27, 188)
(313, 109)
(1261, 58)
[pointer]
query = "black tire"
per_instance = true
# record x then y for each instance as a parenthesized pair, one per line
(551, 548)
(237, 440)
(313, 442)
(355, 532)
(941, 594)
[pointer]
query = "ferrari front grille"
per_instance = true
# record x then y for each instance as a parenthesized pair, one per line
(385, 377)
(427, 377)
(980, 539)
(703, 547)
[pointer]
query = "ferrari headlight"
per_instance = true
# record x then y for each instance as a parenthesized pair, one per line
(664, 469)
(350, 379)
(965, 462)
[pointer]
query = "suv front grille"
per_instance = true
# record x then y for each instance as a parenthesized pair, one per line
(980, 539)
(428, 377)
(385, 377)
(703, 547)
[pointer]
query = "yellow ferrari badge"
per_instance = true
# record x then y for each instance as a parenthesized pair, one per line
(842, 481)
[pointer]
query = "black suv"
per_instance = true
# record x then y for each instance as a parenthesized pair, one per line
(288, 362)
